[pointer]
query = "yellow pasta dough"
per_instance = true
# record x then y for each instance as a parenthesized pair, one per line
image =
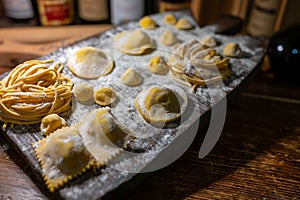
(51, 123)
(170, 19)
(99, 132)
(147, 22)
(90, 63)
(168, 38)
(131, 77)
(158, 65)
(62, 156)
(70, 151)
(105, 96)
(204, 66)
(184, 24)
(83, 92)
(159, 105)
(209, 41)
(133, 42)
(32, 90)
(232, 50)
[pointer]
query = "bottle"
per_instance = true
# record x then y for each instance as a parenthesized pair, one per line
(284, 54)
(169, 5)
(126, 10)
(93, 11)
(55, 12)
(151, 7)
(263, 17)
(19, 11)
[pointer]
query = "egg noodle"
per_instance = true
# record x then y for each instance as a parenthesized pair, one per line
(198, 64)
(33, 90)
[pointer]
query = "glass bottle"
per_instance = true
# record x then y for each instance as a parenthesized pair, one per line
(126, 10)
(55, 12)
(94, 11)
(169, 5)
(19, 11)
(262, 17)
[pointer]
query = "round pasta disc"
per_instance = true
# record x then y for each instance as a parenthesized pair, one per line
(90, 63)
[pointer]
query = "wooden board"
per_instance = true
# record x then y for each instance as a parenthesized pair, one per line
(19, 41)
(95, 185)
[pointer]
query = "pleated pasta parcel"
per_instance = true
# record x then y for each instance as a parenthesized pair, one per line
(100, 134)
(70, 151)
(62, 156)
(159, 105)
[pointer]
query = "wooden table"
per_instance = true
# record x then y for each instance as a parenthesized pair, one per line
(257, 156)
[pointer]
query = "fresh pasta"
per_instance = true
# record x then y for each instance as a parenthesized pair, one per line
(33, 90)
(195, 64)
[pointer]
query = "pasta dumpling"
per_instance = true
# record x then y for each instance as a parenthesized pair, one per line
(70, 151)
(51, 123)
(184, 24)
(131, 77)
(170, 19)
(62, 156)
(134, 42)
(105, 96)
(232, 50)
(90, 63)
(147, 22)
(168, 38)
(209, 41)
(159, 105)
(83, 92)
(158, 65)
(100, 133)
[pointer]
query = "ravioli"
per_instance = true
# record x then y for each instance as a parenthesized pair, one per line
(184, 24)
(158, 65)
(105, 96)
(83, 92)
(51, 123)
(209, 41)
(159, 105)
(90, 63)
(170, 19)
(100, 133)
(132, 77)
(232, 50)
(147, 22)
(70, 151)
(134, 42)
(168, 38)
(62, 156)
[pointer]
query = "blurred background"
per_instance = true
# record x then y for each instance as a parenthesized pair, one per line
(276, 20)
(260, 17)
(258, 154)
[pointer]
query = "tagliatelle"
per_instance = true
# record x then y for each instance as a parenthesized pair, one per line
(195, 64)
(33, 90)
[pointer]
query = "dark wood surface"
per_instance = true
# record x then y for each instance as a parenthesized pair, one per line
(257, 157)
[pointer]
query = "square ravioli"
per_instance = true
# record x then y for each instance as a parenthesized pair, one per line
(70, 151)
(62, 156)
